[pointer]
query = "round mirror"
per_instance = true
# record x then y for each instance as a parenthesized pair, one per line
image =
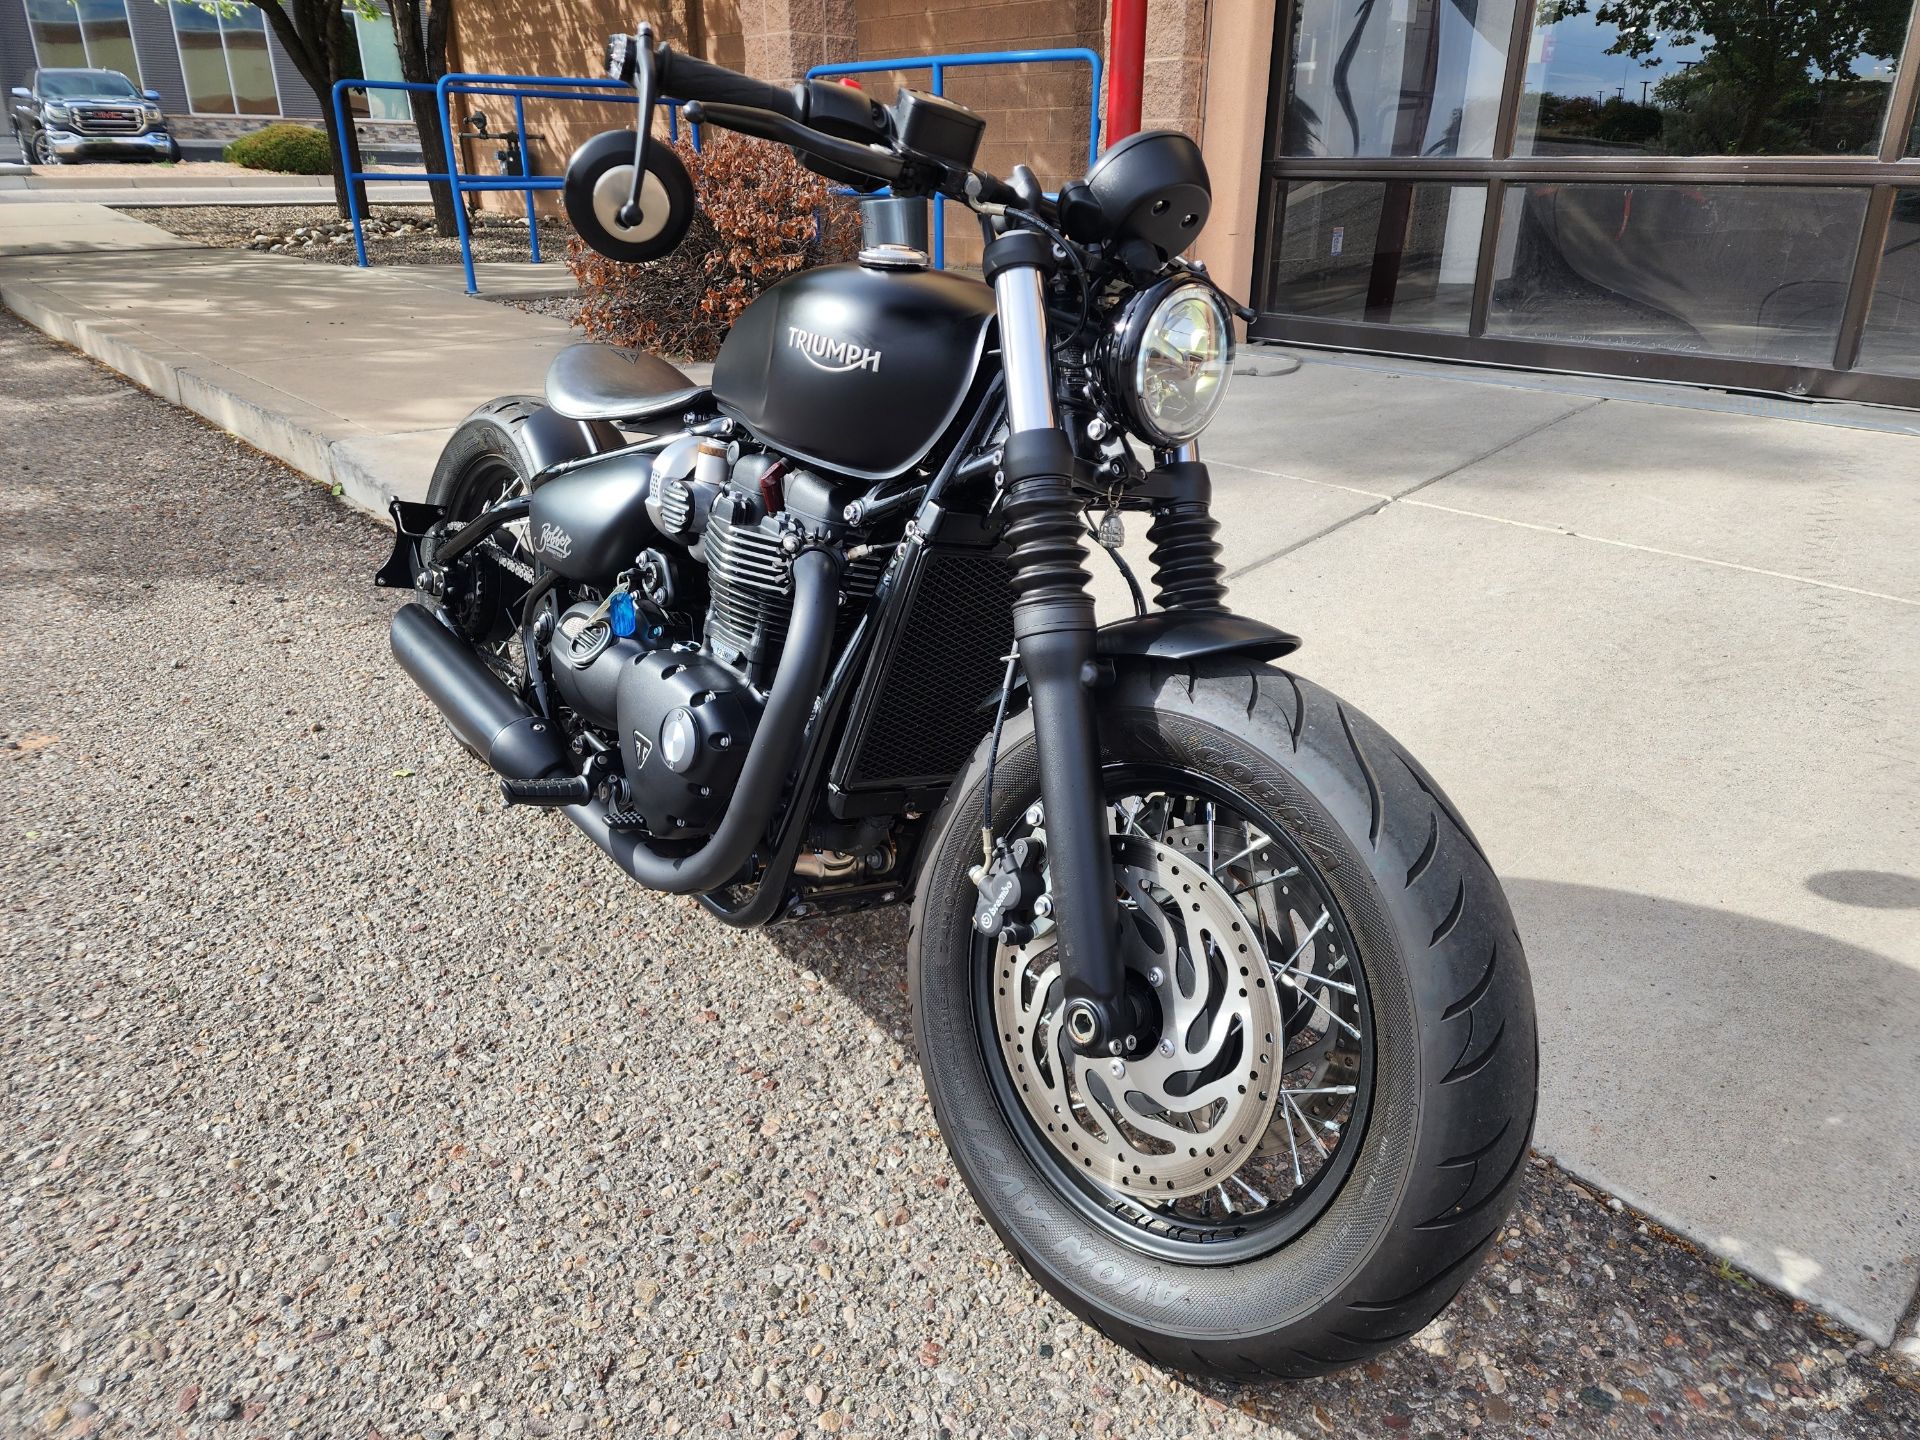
(599, 180)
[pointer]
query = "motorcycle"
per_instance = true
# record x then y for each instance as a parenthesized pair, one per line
(1220, 1006)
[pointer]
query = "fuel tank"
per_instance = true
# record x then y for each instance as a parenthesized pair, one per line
(856, 368)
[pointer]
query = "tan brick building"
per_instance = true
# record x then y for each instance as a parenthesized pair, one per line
(1035, 114)
(1508, 181)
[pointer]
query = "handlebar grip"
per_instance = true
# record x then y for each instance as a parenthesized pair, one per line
(682, 77)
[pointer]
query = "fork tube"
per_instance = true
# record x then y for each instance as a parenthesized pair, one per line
(1054, 631)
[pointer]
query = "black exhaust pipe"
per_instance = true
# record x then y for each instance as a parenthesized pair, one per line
(490, 719)
(492, 722)
(796, 685)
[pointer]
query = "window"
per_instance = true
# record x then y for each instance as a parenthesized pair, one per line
(1757, 272)
(1891, 344)
(225, 60)
(1386, 251)
(1703, 77)
(91, 34)
(1418, 77)
(379, 59)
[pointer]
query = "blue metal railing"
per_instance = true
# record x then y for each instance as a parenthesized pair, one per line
(520, 88)
(940, 64)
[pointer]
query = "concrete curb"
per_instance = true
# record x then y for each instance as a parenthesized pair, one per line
(173, 180)
(366, 470)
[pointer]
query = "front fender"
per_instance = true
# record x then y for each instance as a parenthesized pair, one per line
(1191, 635)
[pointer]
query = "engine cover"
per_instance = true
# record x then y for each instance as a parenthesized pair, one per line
(686, 721)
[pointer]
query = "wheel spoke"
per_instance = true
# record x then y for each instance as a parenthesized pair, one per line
(1199, 1132)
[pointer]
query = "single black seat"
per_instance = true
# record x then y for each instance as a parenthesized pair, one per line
(605, 382)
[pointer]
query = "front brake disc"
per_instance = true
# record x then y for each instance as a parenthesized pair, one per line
(1180, 1118)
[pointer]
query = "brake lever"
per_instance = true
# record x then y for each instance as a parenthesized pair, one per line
(765, 125)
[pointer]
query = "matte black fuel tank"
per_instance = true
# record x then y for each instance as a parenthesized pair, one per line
(855, 369)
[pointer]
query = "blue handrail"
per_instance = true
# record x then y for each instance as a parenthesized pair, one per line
(940, 64)
(520, 88)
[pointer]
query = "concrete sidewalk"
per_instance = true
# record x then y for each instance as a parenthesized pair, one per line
(355, 377)
(1663, 651)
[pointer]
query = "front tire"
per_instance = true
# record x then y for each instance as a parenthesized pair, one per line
(1433, 1148)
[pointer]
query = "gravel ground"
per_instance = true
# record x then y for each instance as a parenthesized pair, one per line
(341, 1104)
(233, 227)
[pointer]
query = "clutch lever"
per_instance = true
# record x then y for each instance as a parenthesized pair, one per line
(643, 85)
(765, 125)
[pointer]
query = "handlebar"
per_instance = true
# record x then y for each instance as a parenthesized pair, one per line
(763, 125)
(817, 118)
(685, 78)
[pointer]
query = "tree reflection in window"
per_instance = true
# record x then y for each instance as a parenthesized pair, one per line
(1710, 77)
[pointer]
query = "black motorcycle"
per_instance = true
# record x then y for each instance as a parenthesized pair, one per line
(1221, 1007)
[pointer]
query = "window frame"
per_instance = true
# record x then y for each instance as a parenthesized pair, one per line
(1879, 174)
(86, 51)
(279, 102)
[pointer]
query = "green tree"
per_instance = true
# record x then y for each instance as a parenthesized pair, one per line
(1761, 50)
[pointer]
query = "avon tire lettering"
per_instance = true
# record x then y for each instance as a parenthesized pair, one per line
(1078, 1255)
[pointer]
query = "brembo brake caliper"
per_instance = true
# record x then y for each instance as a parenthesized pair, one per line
(1010, 885)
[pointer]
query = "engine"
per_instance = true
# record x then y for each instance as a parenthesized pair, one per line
(676, 661)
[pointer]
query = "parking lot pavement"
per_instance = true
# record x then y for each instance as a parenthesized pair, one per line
(340, 1103)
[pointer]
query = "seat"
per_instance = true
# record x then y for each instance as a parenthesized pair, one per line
(605, 382)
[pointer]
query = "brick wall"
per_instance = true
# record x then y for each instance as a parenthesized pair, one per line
(1036, 114)
(546, 40)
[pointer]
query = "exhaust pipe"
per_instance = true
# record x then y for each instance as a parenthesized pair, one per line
(490, 719)
(796, 685)
(492, 722)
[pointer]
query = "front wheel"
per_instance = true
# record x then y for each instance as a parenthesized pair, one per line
(1332, 1125)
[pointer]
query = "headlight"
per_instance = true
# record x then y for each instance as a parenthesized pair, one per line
(59, 115)
(1171, 358)
(150, 113)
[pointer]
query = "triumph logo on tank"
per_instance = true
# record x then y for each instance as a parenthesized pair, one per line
(826, 353)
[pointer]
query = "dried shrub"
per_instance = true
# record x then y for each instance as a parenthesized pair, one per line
(762, 216)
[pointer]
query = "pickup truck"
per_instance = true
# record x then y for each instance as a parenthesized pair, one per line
(63, 115)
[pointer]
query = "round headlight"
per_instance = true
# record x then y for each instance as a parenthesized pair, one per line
(1173, 356)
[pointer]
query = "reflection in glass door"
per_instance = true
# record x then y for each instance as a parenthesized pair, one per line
(1718, 194)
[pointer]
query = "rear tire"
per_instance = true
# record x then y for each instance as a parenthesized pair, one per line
(482, 463)
(1453, 1071)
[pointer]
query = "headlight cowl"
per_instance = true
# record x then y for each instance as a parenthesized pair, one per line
(1170, 360)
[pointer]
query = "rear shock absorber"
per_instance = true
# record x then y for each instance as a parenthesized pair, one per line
(1187, 572)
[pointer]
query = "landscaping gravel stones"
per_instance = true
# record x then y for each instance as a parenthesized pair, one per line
(339, 1103)
(396, 234)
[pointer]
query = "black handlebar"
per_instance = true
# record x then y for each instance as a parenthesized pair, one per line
(715, 95)
(682, 77)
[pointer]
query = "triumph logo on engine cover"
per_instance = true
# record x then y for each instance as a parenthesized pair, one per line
(826, 353)
(554, 541)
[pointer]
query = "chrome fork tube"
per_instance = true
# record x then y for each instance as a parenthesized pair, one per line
(1020, 294)
(1053, 628)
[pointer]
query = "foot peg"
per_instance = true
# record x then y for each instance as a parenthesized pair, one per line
(553, 794)
(626, 820)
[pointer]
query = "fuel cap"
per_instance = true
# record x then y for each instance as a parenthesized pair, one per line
(893, 257)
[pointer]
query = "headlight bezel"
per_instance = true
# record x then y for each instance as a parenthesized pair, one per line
(55, 113)
(1138, 323)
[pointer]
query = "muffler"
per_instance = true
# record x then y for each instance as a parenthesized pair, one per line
(489, 719)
